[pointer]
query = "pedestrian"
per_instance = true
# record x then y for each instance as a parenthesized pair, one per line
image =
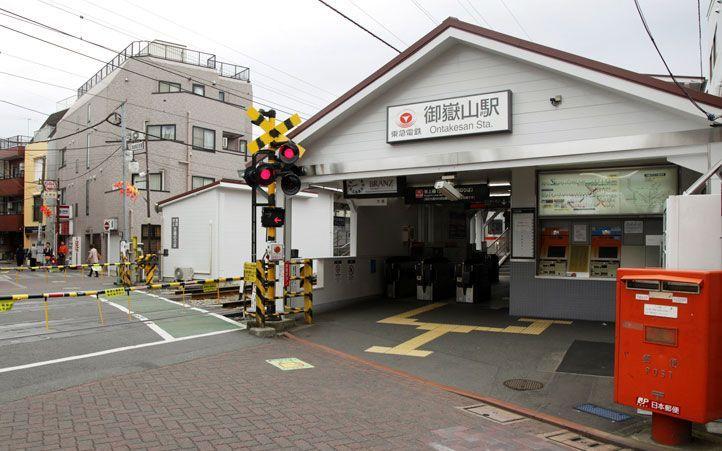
(19, 256)
(33, 255)
(93, 260)
(48, 254)
(62, 253)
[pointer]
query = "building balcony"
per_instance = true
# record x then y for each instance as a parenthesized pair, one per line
(12, 187)
(11, 223)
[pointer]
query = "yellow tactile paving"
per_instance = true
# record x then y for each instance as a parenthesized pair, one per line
(436, 330)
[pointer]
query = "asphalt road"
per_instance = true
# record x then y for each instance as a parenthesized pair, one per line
(77, 346)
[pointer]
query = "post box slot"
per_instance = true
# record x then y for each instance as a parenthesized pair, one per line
(680, 287)
(660, 335)
(643, 284)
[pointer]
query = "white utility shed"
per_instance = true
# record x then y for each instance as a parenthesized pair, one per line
(209, 228)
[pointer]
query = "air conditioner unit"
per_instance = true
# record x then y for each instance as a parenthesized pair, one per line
(184, 274)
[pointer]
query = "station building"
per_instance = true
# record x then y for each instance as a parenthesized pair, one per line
(563, 161)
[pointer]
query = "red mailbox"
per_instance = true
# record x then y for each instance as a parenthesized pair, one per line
(668, 349)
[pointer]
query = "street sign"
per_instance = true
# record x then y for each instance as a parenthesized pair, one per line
(249, 272)
(50, 185)
(110, 224)
(65, 211)
(50, 194)
(136, 146)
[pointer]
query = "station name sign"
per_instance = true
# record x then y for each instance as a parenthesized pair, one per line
(456, 116)
(430, 195)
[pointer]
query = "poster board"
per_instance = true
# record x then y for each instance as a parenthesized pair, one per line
(623, 191)
(522, 233)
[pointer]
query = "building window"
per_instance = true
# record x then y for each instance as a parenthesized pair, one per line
(39, 167)
(87, 113)
(222, 96)
(87, 151)
(61, 196)
(61, 156)
(168, 86)
(156, 181)
(242, 146)
(204, 138)
(77, 165)
(155, 132)
(87, 197)
(150, 234)
(233, 142)
(37, 203)
(199, 89)
(199, 181)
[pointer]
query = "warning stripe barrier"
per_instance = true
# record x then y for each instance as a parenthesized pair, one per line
(61, 267)
(115, 291)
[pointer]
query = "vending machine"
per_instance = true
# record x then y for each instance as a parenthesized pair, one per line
(606, 252)
(554, 252)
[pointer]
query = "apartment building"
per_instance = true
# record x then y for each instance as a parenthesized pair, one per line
(12, 169)
(190, 110)
(37, 226)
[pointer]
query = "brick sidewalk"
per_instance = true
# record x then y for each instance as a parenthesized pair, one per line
(237, 400)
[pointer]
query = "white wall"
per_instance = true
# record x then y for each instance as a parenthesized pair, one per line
(224, 212)
(197, 225)
(587, 112)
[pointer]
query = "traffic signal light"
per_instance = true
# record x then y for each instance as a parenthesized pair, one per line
(273, 217)
(290, 184)
(288, 152)
(262, 175)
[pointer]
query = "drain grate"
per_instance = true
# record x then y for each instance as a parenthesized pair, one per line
(611, 415)
(523, 384)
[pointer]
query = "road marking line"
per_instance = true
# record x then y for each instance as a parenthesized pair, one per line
(153, 326)
(221, 317)
(435, 330)
(8, 280)
(111, 351)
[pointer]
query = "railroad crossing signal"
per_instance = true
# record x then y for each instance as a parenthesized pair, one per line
(273, 217)
(274, 133)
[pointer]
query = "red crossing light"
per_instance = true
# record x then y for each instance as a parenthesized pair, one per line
(288, 153)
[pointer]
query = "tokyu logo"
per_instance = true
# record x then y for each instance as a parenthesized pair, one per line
(406, 119)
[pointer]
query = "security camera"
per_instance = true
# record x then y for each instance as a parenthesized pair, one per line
(448, 190)
(556, 100)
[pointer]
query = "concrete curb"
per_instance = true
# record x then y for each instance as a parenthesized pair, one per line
(546, 418)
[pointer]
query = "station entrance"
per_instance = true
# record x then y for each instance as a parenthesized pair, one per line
(438, 237)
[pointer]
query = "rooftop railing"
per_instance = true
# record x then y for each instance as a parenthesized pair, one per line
(170, 52)
(14, 141)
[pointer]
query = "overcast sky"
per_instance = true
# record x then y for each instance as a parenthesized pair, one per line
(302, 55)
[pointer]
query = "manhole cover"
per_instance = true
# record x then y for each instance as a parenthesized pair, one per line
(523, 384)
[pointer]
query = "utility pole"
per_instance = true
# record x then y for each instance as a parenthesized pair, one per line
(147, 182)
(124, 140)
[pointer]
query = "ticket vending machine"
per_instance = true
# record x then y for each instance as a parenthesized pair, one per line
(668, 348)
(606, 251)
(554, 251)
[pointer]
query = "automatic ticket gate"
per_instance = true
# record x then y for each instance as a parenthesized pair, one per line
(434, 279)
(400, 276)
(475, 276)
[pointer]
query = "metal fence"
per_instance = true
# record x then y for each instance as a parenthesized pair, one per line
(170, 52)
(14, 141)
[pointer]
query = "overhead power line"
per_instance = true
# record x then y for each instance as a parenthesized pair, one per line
(710, 116)
(375, 20)
(424, 11)
(513, 16)
(358, 25)
(177, 73)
